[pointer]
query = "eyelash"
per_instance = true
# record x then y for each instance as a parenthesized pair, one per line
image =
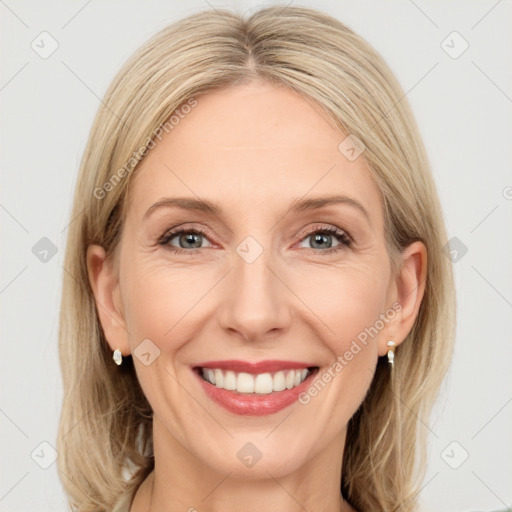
(342, 237)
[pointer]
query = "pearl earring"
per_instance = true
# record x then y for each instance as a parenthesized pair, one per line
(118, 356)
(391, 352)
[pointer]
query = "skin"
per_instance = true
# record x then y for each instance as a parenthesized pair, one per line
(251, 148)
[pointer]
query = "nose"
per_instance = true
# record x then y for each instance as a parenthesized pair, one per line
(256, 303)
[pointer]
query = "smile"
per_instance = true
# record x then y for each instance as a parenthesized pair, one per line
(255, 389)
(262, 383)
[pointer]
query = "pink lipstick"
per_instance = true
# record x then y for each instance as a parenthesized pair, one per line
(254, 388)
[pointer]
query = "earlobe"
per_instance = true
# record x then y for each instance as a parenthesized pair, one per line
(410, 287)
(105, 286)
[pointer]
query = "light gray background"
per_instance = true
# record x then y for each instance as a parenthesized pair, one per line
(464, 109)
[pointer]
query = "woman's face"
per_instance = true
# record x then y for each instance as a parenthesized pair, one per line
(273, 277)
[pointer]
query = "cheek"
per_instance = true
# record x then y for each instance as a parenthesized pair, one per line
(167, 300)
(346, 301)
(347, 304)
(157, 300)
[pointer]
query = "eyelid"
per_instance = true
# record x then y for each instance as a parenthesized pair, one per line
(335, 231)
(324, 227)
(176, 230)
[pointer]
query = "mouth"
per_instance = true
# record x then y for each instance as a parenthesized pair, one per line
(260, 383)
(254, 388)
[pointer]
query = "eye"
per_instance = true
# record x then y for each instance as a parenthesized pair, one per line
(189, 240)
(321, 238)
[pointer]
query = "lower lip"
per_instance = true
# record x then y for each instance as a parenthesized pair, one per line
(253, 404)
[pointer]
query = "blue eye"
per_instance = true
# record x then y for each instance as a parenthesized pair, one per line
(323, 235)
(190, 240)
(186, 237)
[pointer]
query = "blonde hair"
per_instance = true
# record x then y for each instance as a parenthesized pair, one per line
(105, 437)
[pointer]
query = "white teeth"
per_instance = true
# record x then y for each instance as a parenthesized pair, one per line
(263, 383)
(290, 377)
(219, 378)
(245, 383)
(230, 381)
(279, 383)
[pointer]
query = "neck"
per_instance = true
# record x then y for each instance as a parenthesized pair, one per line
(180, 481)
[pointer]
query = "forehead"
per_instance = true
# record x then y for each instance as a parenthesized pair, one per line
(255, 146)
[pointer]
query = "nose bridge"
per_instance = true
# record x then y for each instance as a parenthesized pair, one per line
(256, 299)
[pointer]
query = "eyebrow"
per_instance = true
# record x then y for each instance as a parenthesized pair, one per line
(297, 205)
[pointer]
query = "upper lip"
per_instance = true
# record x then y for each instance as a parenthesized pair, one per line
(267, 366)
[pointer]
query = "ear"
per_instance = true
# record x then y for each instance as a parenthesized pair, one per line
(408, 289)
(105, 286)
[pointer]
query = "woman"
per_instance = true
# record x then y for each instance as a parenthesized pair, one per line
(289, 357)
